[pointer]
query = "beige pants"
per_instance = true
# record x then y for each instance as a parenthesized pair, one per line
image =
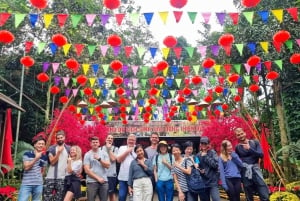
(142, 189)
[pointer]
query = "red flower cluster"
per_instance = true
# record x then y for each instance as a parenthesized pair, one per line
(276, 188)
(7, 191)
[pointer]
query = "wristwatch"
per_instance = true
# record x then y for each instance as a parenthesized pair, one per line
(99, 159)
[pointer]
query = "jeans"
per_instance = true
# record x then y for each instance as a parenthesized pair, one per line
(123, 190)
(35, 191)
(262, 191)
(165, 190)
(234, 188)
(214, 193)
(96, 188)
(191, 196)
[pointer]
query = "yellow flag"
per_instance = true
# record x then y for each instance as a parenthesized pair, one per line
(66, 48)
(97, 92)
(164, 16)
(191, 108)
(165, 51)
(92, 81)
(278, 13)
(78, 109)
(141, 109)
(110, 117)
(165, 72)
(91, 109)
(47, 19)
(158, 93)
(265, 46)
(217, 69)
(85, 68)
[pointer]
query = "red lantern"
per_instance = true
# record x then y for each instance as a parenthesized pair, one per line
(225, 106)
(146, 115)
(122, 109)
(152, 101)
(92, 100)
(253, 88)
(189, 118)
(196, 80)
(186, 91)
(194, 113)
(281, 36)
(219, 89)
(112, 4)
(208, 63)
(101, 115)
(178, 3)
(234, 77)
(114, 40)
(162, 65)
(59, 40)
(237, 98)
(98, 109)
(172, 113)
(123, 101)
(123, 115)
(118, 80)
(168, 119)
(72, 108)
(148, 109)
(180, 99)
(103, 122)
(88, 91)
(124, 122)
(27, 61)
(295, 58)
(6, 37)
(173, 108)
(272, 75)
(146, 121)
(153, 91)
(120, 91)
(116, 65)
(170, 41)
(43, 77)
(208, 99)
(40, 4)
(72, 64)
(253, 60)
(81, 79)
(63, 99)
(54, 90)
(250, 3)
(159, 80)
(226, 40)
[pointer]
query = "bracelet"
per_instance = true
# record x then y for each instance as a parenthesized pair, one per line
(99, 159)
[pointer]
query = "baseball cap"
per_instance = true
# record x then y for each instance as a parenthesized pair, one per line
(204, 140)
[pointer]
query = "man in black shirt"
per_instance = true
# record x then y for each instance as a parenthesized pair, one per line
(250, 152)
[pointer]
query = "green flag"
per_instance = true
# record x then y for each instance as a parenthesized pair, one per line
(18, 19)
(192, 16)
(75, 19)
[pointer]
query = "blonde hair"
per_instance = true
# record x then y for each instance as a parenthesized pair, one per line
(78, 152)
(224, 154)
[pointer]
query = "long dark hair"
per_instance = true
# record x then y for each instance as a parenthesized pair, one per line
(140, 146)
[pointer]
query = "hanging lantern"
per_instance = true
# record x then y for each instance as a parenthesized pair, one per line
(72, 108)
(59, 40)
(54, 90)
(152, 101)
(116, 65)
(162, 65)
(226, 40)
(81, 79)
(250, 3)
(123, 115)
(40, 4)
(170, 41)
(123, 101)
(173, 108)
(253, 88)
(72, 64)
(112, 4)
(194, 113)
(196, 80)
(118, 80)
(295, 58)
(234, 77)
(178, 3)
(120, 91)
(159, 80)
(63, 99)
(98, 109)
(253, 60)
(237, 98)
(168, 119)
(114, 40)
(6, 37)
(180, 99)
(272, 75)
(153, 91)
(42, 77)
(146, 115)
(148, 109)
(208, 99)
(27, 61)
(146, 121)
(171, 113)
(101, 115)
(186, 91)
(189, 118)
(225, 106)
(92, 100)
(219, 89)
(281, 36)
(208, 63)
(124, 122)
(103, 122)
(88, 91)
(122, 109)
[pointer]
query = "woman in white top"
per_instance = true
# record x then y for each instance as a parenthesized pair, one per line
(72, 179)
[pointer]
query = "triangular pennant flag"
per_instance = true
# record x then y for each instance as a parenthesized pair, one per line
(152, 81)
(91, 49)
(66, 48)
(212, 81)
(196, 69)
(144, 82)
(252, 47)
(264, 14)
(134, 69)
(103, 49)
(90, 19)
(55, 67)
(28, 46)
(278, 63)
(249, 16)
(237, 68)
(45, 66)
(165, 51)
(105, 68)
(247, 79)
(164, 16)
(85, 68)
(277, 46)
(79, 48)
(172, 92)
(258, 67)
(190, 51)
(18, 19)
(206, 17)
(101, 81)
(3, 18)
(234, 17)
(125, 69)
(116, 50)
(135, 82)
(215, 49)
(186, 70)
(134, 17)
(148, 17)
(145, 70)
(153, 51)
(108, 82)
(92, 81)
(247, 67)
(56, 80)
(177, 15)
(174, 70)
(154, 70)
(75, 20)
(53, 48)
(141, 51)
(143, 92)
(192, 16)
(265, 46)
(233, 91)
(177, 51)
(74, 81)
(169, 82)
(67, 92)
(217, 69)
(97, 91)
(135, 93)
(33, 18)
(289, 44)
(202, 50)
(278, 13)
(66, 81)
(240, 48)
(119, 18)
(221, 80)
(292, 11)
(128, 50)
(62, 18)
(227, 68)
(178, 82)
(268, 65)
(221, 17)
(95, 68)
(41, 47)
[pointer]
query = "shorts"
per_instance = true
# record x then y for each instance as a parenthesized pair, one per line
(112, 184)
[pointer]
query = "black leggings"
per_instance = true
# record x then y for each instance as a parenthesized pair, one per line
(234, 188)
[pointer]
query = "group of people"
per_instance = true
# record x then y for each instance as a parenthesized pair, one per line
(143, 171)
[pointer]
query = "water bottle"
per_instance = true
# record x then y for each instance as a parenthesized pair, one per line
(131, 197)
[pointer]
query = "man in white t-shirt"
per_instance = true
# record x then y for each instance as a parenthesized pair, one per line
(125, 156)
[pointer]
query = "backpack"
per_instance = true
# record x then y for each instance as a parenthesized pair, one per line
(195, 181)
(156, 159)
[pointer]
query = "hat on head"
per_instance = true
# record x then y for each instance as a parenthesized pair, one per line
(162, 143)
(204, 139)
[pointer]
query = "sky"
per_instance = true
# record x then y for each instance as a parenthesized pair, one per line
(184, 27)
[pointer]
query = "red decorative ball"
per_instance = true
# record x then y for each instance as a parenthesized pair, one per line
(253, 60)
(81, 79)
(172, 113)
(98, 109)
(114, 40)
(168, 119)
(72, 64)
(253, 88)
(173, 108)
(237, 98)
(208, 63)
(59, 40)
(6, 37)
(178, 3)
(27, 61)
(219, 89)
(186, 91)
(180, 99)
(272, 75)
(146, 121)
(88, 91)
(170, 41)
(120, 91)
(63, 99)
(148, 109)
(225, 106)
(116, 65)
(153, 91)
(123, 101)
(208, 99)
(118, 80)
(43, 77)
(93, 100)
(250, 3)
(159, 80)
(234, 77)
(196, 80)
(124, 122)
(162, 65)
(281, 36)
(40, 4)
(123, 115)
(112, 4)
(226, 40)
(72, 108)
(295, 58)
(152, 101)
(54, 90)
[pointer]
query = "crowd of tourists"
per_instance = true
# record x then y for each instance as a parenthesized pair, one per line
(142, 172)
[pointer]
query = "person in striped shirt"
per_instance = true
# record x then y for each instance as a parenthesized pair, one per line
(34, 163)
